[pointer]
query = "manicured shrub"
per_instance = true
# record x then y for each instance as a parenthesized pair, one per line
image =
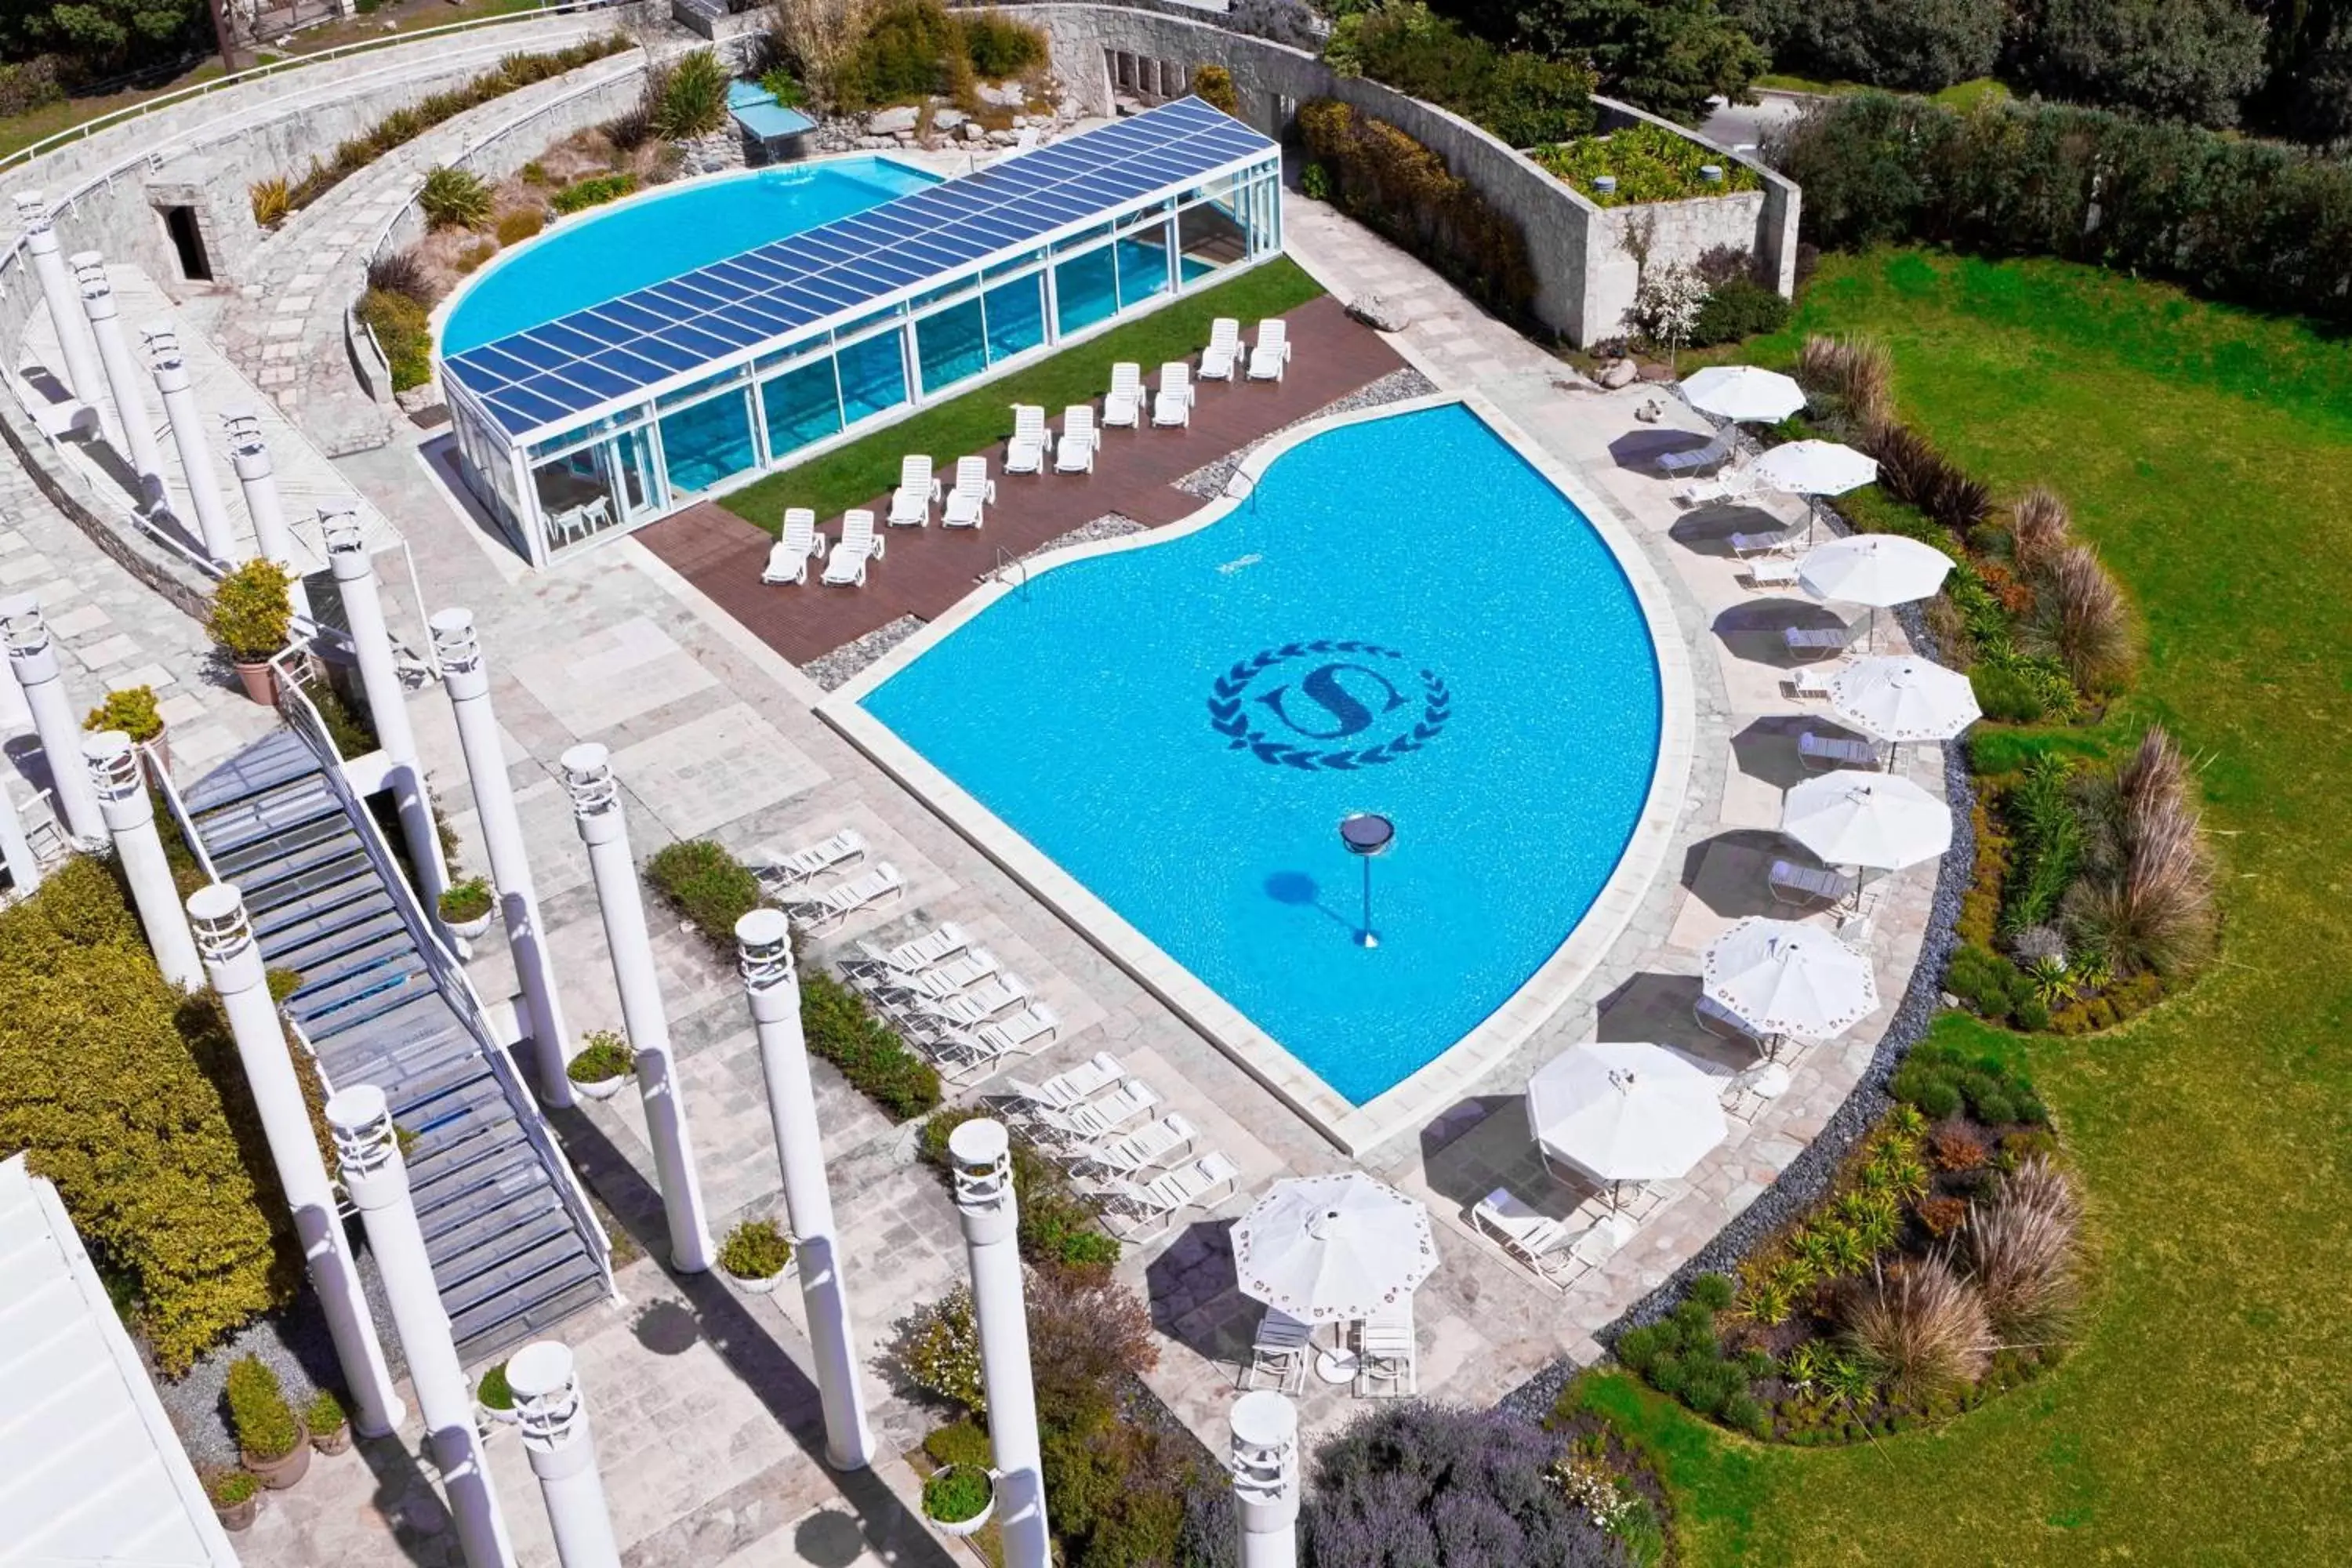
(841, 1029)
(959, 1443)
(493, 1391)
(131, 710)
(2006, 693)
(401, 327)
(454, 198)
(591, 192)
(1315, 183)
(1060, 1227)
(325, 1414)
(688, 97)
(252, 616)
(266, 1425)
(1712, 1291)
(1214, 85)
(1921, 1329)
(755, 1250)
(604, 1056)
(952, 1496)
(707, 886)
(1943, 1215)
(1739, 310)
(229, 1488)
(472, 258)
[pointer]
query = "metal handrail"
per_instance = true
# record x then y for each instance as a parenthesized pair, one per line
(456, 987)
(1005, 562)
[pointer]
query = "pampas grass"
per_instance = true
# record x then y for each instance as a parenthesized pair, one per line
(2039, 527)
(2153, 906)
(2025, 1250)
(1857, 372)
(2085, 621)
(1921, 1328)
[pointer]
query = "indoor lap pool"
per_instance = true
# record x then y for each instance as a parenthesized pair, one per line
(1405, 618)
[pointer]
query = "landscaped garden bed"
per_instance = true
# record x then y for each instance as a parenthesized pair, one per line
(1642, 164)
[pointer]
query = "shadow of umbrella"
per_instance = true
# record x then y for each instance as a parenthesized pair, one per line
(1195, 1297)
(1707, 530)
(1767, 749)
(1659, 1008)
(1642, 448)
(1299, 890)
(1751, 630)
(1728, 872)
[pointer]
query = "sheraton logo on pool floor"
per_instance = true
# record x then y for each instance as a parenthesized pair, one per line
(1331, 703)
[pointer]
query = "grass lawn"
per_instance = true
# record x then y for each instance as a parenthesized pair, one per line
(1960, 95)
(2208, 452)
(849, 475)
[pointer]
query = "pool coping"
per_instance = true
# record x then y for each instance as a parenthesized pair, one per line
(1446, 1077)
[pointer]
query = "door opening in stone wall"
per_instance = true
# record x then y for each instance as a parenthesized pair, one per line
(188, 239)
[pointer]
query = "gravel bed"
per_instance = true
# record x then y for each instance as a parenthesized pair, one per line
(833, 669)
(1109, 525)
(1207, 483)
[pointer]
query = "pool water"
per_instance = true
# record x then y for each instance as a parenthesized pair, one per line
(1411, 620)
(587, 261)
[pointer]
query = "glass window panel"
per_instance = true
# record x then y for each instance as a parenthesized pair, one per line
(873, 377)
(1016, 317)
(1207, 238)
(1076, 241)
(801, 405)
(694, 390)
(950, 345)
(1085, 290)
(1142, 266)
(708, 442)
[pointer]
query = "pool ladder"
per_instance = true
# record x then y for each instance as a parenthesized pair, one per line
(1248, 487)
(1008, 561)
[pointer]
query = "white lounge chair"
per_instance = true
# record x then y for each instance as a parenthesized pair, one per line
(1730, 485)
(1783, 542)
(876, 972)
(799, 545)
(1810, 682)
(1098, 1118)
(1697, 459)
(1219, 360)
(921, 954)
(1281, 1350)
(1794, 884)
(970, 1009)
(964, 1054)
(1387, 1353)
(825, 911)
(919, 489)
(1270, 357)
(1026, 453)
(1145, 1210)
(1063, 1090)
(1080, 441)
(1838, 750)
(1137, 1153)
(1807, 640)
(1174, 404)
(973, 491)
(859, 543)
(1770, 571)
(1534, 1239)
(1723, 1023)
(1123, 404)
(792, 867)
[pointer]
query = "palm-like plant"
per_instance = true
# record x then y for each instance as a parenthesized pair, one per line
(454, 198)
(690, 98)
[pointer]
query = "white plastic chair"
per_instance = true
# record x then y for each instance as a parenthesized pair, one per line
(1794, 884)
(1025, 452)
(799, 545)
(1080, 441)
(827, 910)
(859, 543)
(1387, 1353)
(973, 490)
(793, 868)
(1174, 404)
(1144, 1211)
(910, 503)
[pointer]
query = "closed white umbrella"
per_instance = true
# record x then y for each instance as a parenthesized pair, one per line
(1782, 978)
(1742, 393)
(1901, 697)
(1877, 821)
(1620, 1110)
(1812, 469)
(1332, 1249)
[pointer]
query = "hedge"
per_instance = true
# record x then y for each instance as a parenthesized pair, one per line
(706, 885)
(2233, 219)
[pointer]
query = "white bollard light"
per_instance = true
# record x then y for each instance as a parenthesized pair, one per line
(596, 809)
(354, 569)
(458, 651)
(122, 377)
(33, 658)
(121, 789)
(179, 394)
(1265, 1478)
(377, 1178)
(75, 347)
(980, 1159)
(233, 962)
(553, 1420)
(764, 940)
(250, 456)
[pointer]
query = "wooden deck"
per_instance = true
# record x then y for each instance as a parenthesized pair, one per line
(929, 569)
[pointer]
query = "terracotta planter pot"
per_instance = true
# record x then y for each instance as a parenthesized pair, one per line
(280, 1474)
(603, 1088)
(333, 1442)
(240, 1516)
(261, 681)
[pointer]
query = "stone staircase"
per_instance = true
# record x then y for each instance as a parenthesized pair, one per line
(514, 1249)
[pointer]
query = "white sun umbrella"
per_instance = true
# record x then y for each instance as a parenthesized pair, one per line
(1621, 1110)
(1812, 469)
(1742, 393)
(1782, 978)
(1876, 821)
(1880, 570)
(1332, 1249)
(1902, 697)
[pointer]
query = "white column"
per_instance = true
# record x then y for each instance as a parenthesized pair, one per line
(377, 1178)
(553, 1420)
(233, 962)
(980, 1158)
(76, 348)
(459, 653)
(33, 656)
(250, 456)
(122, 377)
(1265, 1478)
(354, 569)
(15, 850)
(121, 790)
(179, 394)
(764, 937)
(596, 808)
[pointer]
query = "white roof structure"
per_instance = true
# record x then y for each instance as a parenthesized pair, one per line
(90, 1470)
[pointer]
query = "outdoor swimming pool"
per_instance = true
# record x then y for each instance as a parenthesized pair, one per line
(1410, 620)
(587, 261)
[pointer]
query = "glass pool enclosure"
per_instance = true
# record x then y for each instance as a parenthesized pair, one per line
(614, 416)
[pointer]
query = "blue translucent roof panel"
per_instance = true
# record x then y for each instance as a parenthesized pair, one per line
(565, 368)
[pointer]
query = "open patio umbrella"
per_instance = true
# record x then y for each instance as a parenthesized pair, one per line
(1780, 977)
(1900, 698)
(1621, 1110)
(1876, 821)
(1742, 393)
(1814, 469)
(1332, 1249)
(1880, 570)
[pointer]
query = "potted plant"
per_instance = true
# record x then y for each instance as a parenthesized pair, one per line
(602, 1066)
(493, 1400)
(252, 618)
(755, 1256)
(236, 1498)
(959, 1500)
(467, 908)
(330, 1424)
(269, 1436)
(133, 711)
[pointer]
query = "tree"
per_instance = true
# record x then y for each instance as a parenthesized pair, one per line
(2309, 94)
(100, 38)
(1667, 55)
(1918, 45)
(2177, 59)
